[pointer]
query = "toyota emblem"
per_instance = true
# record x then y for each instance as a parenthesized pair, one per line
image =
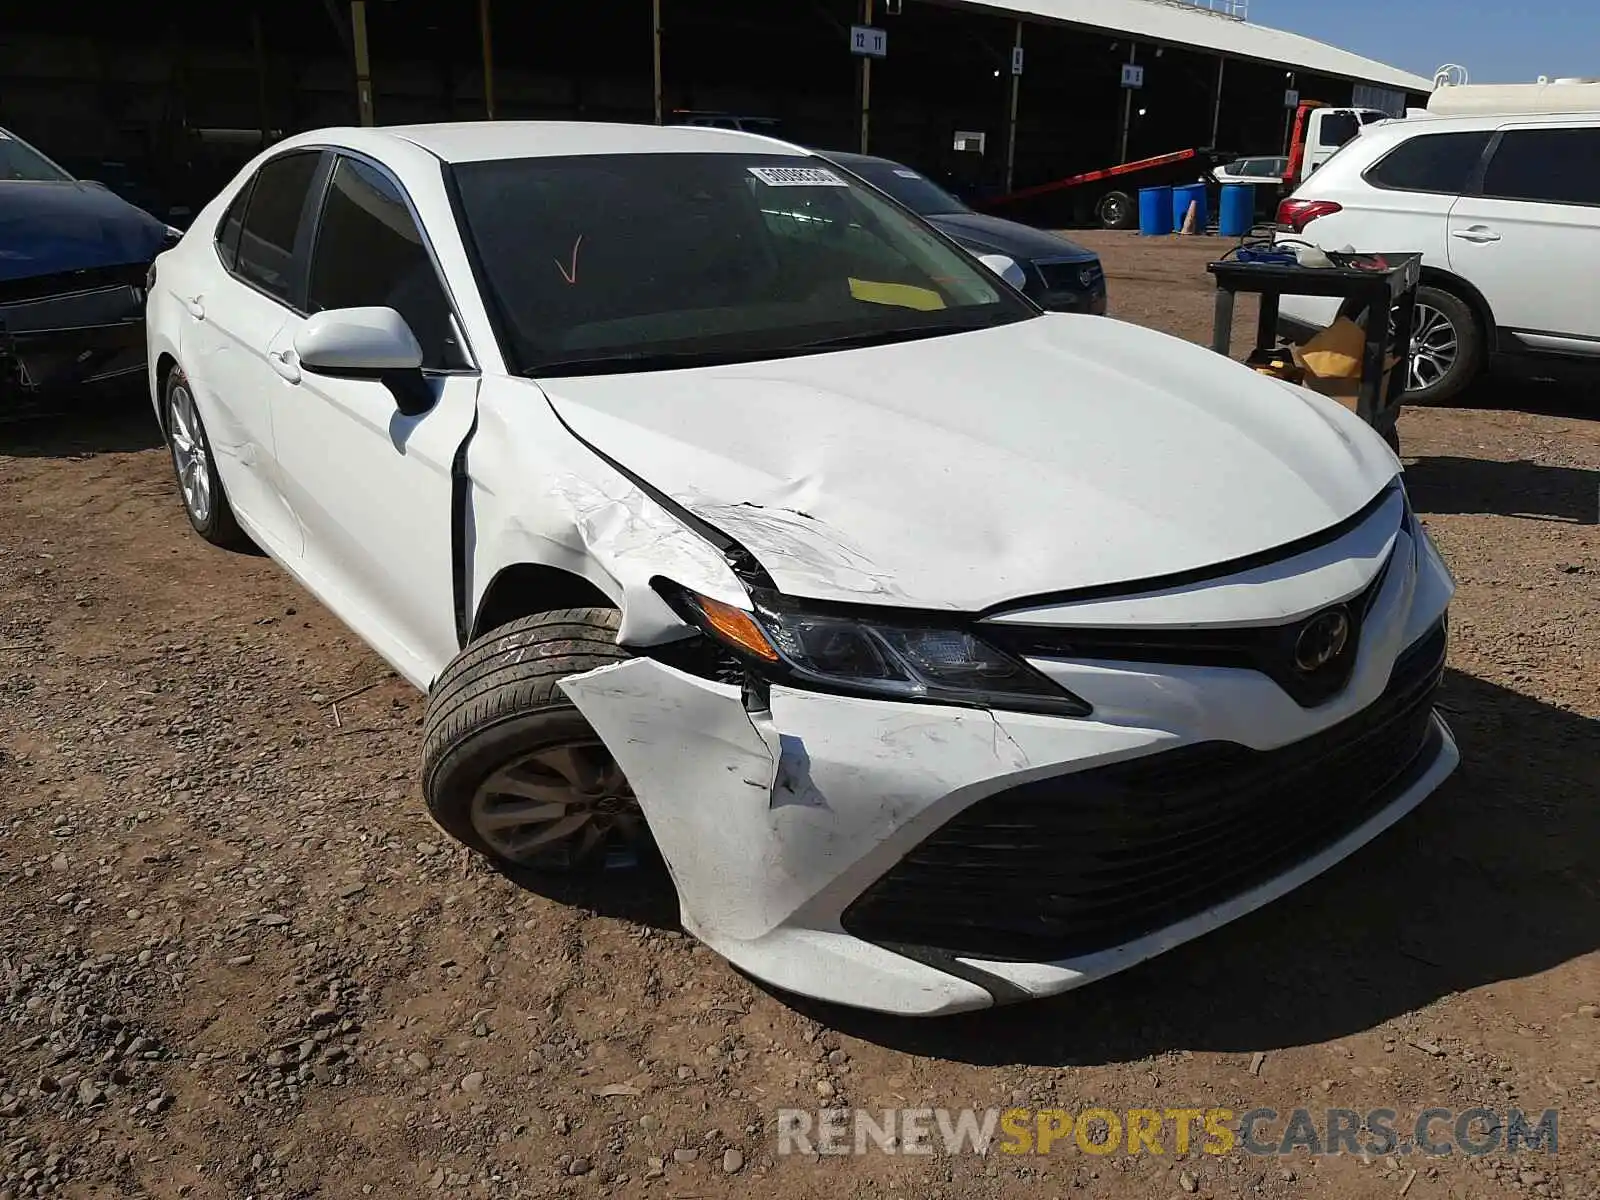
(1322, 639)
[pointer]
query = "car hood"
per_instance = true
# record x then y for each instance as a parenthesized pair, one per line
(963, 471)
(997, 235)
(49, 228)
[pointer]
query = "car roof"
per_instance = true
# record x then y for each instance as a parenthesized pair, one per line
(1398, 129)
(849, 156)
(476, 141)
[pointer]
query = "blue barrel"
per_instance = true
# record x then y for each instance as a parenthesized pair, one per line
(1182, 197)
(1155, 211)
(1237, 213)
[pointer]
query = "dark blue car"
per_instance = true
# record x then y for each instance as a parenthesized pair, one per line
(1061, 275)
(73, 262)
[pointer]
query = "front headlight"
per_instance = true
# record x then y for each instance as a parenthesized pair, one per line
(875, 656)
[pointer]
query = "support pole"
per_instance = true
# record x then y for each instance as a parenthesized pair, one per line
(866, 79)
(1011, 122)
(1288, 120)
(358, 27)
(655, 26)
(1127, 108)
(486, 34)
(258, 40)
(1216, 108)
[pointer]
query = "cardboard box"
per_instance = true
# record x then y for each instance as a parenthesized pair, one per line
(1345, 389)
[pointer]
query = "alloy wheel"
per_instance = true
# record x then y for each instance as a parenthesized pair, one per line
(1435, 345)
(568, 806)
(189, 455)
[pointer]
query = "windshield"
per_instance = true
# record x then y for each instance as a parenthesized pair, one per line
(599, 263)
(20, 161)
(922, 196)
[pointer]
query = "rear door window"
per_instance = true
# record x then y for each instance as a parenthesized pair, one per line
(1443, 163)
(228, 228)
(272, 222)
(1548, 166)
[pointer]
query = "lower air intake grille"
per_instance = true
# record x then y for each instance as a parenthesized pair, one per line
(1067, 866)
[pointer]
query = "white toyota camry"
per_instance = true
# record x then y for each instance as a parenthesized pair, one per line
(948, 652)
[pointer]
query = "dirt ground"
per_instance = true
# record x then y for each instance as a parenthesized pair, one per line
(236, 959)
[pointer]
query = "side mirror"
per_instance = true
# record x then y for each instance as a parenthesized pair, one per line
(1006, 267)
(366, 343)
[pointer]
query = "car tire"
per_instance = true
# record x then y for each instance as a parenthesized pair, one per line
(200, 489)
(509, 765)
(1117, 210)
(1447, 347)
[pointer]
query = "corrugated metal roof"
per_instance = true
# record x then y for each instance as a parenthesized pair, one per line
(1182, 24)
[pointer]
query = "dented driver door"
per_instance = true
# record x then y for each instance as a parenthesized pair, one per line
(373, 486)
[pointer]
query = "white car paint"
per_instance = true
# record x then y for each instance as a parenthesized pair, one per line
(787, 456)
(1005, 469)
(1530, 262)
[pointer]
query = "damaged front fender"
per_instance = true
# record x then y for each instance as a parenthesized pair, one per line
(539, 496)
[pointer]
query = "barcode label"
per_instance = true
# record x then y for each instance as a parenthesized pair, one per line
(797, 177)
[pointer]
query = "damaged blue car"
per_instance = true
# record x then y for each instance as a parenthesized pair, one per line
(74, 258)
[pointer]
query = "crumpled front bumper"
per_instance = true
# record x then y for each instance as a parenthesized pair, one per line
(59, 336)
(774, 822)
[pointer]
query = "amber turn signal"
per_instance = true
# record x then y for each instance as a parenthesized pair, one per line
(737, 627)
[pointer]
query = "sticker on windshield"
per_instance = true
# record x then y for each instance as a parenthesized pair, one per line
(905, 174)
(797, 177)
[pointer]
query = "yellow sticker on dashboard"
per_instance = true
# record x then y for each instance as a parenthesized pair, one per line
(900, 295)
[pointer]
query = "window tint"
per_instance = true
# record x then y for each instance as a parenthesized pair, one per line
(1434, 162)
(600, 262)
(20, 161)
(1556, 166)
(922, 196)
(1338, 128)
(266, 245)
(369, 252)
(228, 227)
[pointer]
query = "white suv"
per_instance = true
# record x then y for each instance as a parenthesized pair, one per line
(1506, 211)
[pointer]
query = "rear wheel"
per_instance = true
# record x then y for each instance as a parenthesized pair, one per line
(1447, 347)
(1116, 211)
(509, 765)
(199, 485)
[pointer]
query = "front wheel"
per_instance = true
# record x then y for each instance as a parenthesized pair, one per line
(509, 765)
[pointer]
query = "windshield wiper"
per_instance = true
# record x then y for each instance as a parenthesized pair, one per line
(883, 337)
(668, 360)
(639, 360)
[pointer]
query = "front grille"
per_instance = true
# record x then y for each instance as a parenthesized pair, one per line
(1269, 649)
(1067, 866)
(1069, 276)
(66, 283)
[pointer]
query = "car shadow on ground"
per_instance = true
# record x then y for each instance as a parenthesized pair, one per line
(641, 896)
(1555, 389)
(125, 427)
(1493, 878)
(1535, 491)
